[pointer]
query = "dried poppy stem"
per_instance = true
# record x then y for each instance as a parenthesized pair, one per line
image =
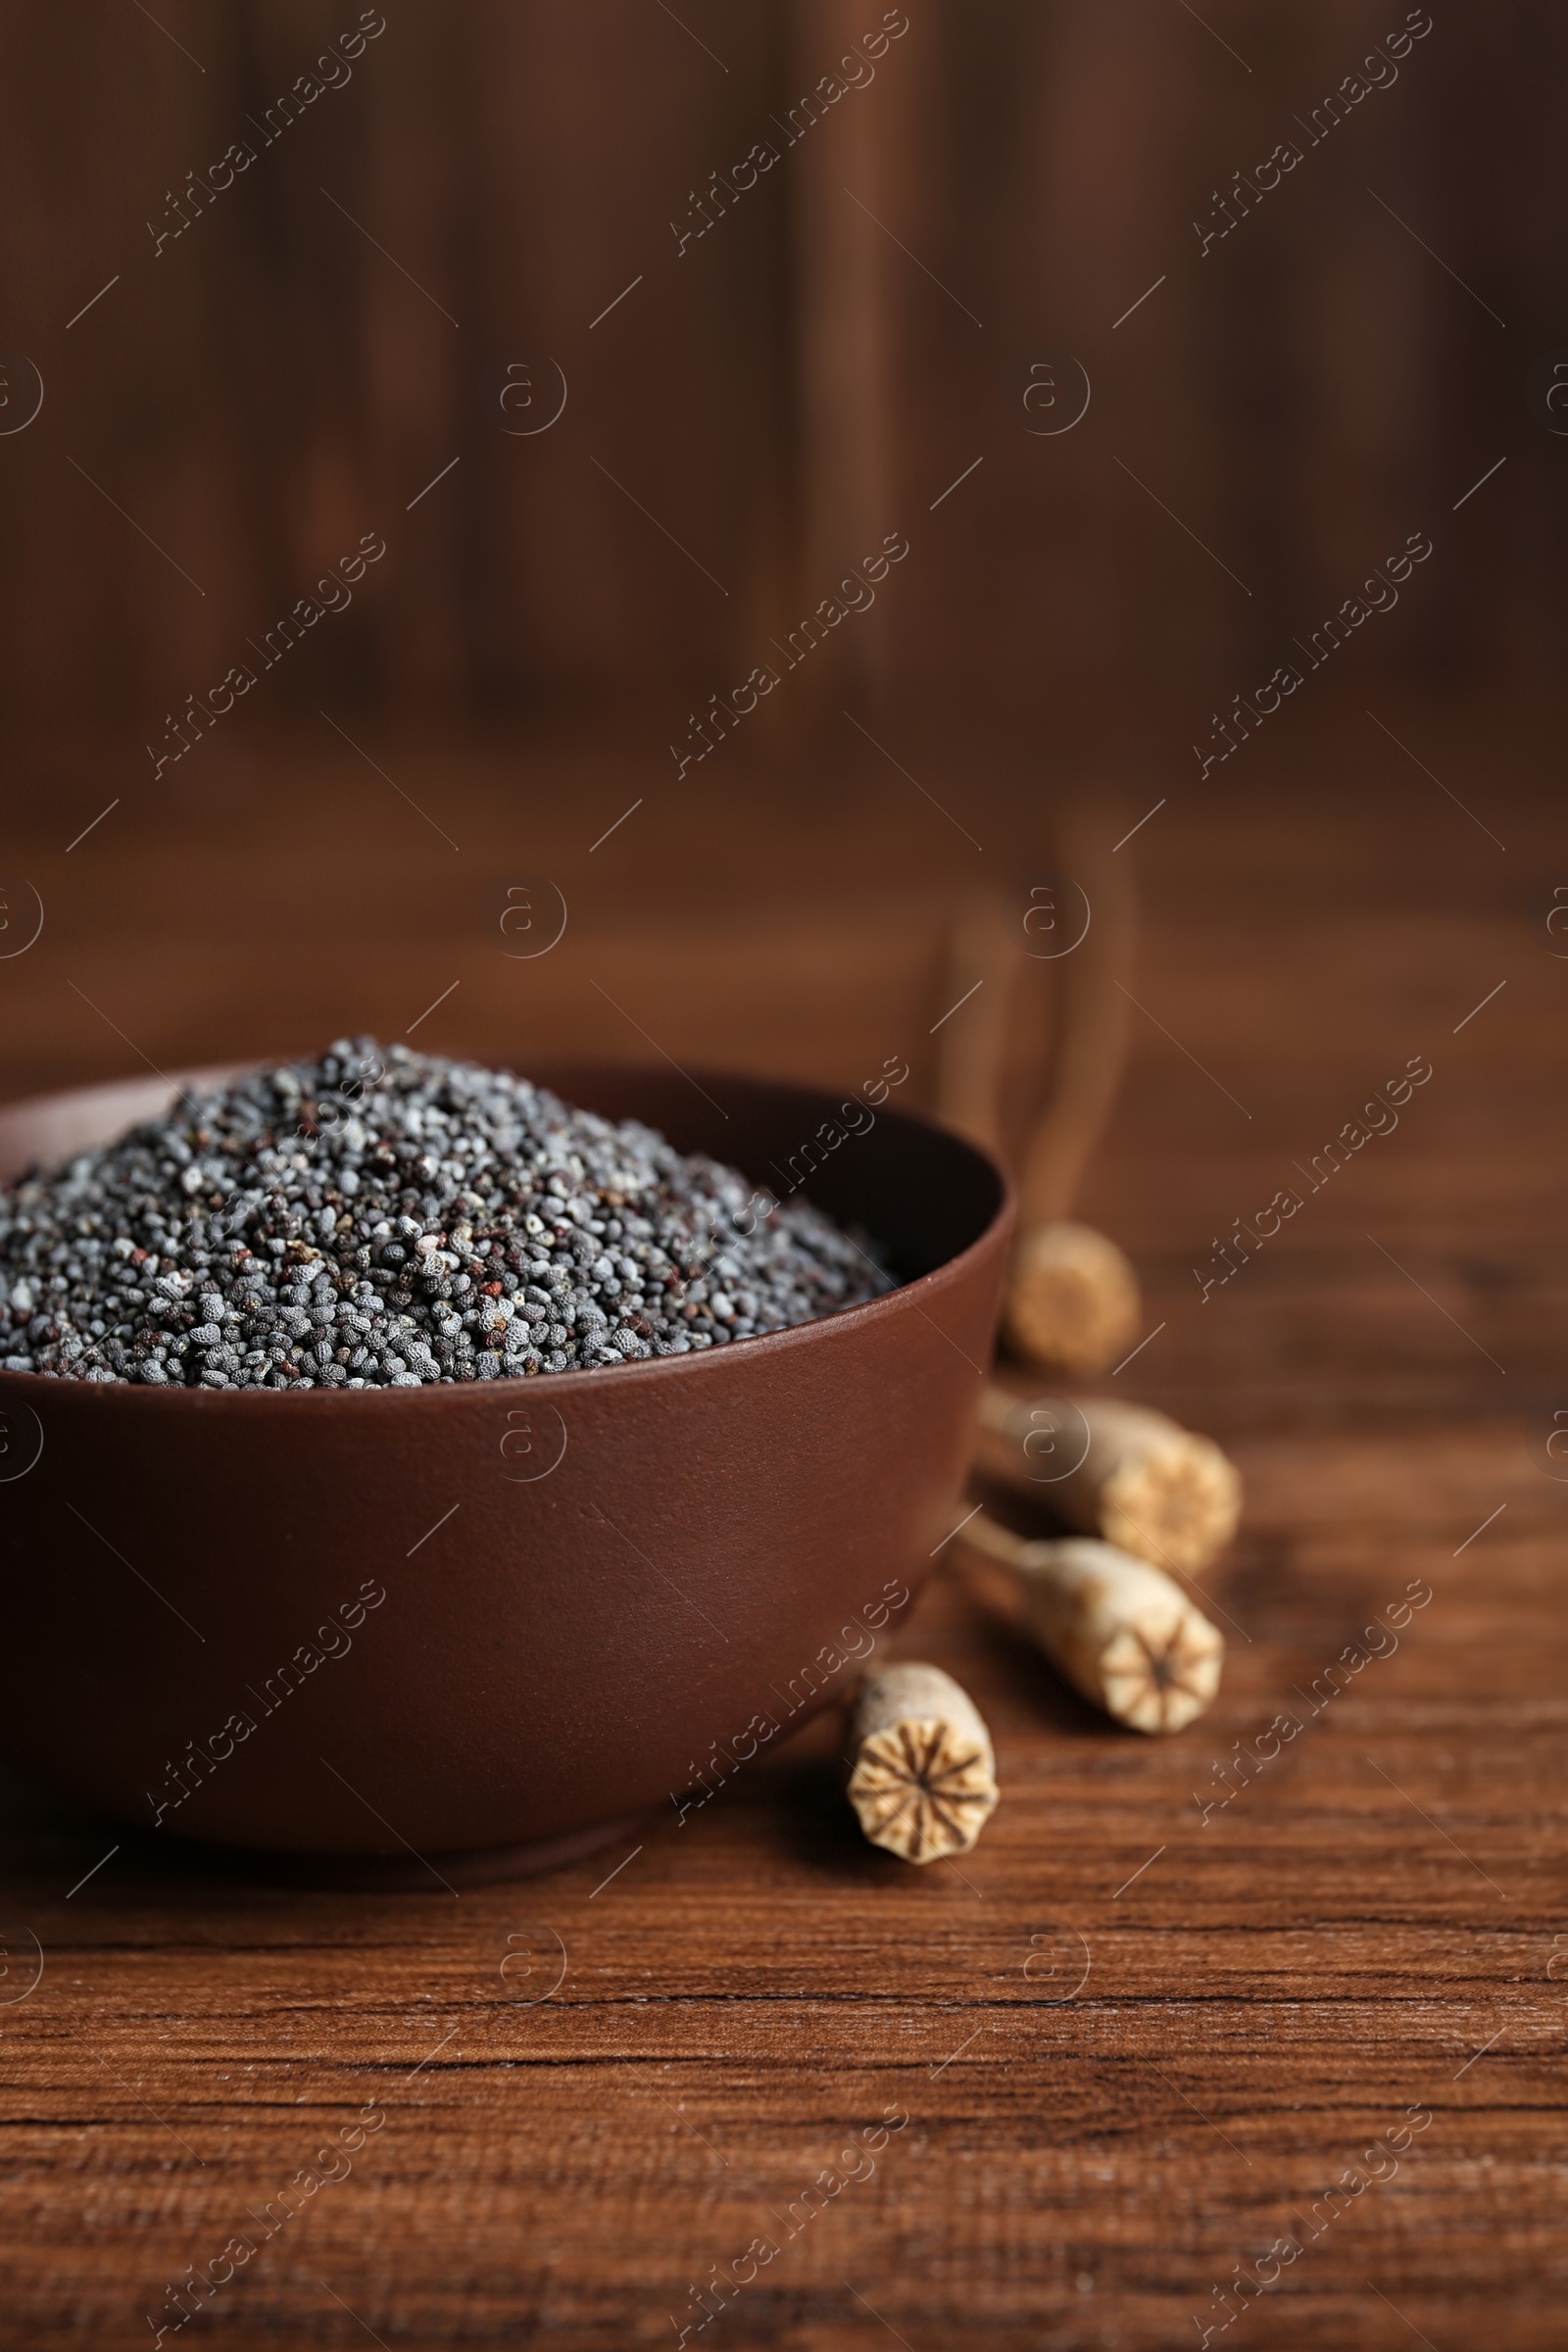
(922, 1777)
(1091, 1045)
(1122, 1632)
(1072, 1296)
(984, 955)
(1126, 1472)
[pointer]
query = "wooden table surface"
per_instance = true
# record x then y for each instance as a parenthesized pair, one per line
(1132, 2043)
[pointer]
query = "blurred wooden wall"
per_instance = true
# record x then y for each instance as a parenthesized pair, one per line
(794, 383)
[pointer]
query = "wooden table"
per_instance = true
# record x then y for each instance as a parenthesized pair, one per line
(1136, 2040)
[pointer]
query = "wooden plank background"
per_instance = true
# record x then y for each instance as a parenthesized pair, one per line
(298, 364)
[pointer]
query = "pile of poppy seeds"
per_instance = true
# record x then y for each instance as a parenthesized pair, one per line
(385, 1220)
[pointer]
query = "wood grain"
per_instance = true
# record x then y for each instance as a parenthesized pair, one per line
(1135, 2044)
(1301, 396)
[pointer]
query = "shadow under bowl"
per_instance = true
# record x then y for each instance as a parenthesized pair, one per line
(393, 1636)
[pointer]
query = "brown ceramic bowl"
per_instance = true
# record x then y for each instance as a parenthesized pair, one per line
(601, 1589)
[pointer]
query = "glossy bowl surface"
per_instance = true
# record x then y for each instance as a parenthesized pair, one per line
(428, 1631)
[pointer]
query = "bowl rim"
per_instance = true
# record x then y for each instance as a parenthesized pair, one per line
(151, 1398)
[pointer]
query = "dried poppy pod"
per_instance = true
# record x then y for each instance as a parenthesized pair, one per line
(922, 1777)
(1073, 1297)
(1144, 1481)
(1122, 1632)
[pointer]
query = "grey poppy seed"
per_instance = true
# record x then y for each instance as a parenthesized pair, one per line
(461, 1225)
